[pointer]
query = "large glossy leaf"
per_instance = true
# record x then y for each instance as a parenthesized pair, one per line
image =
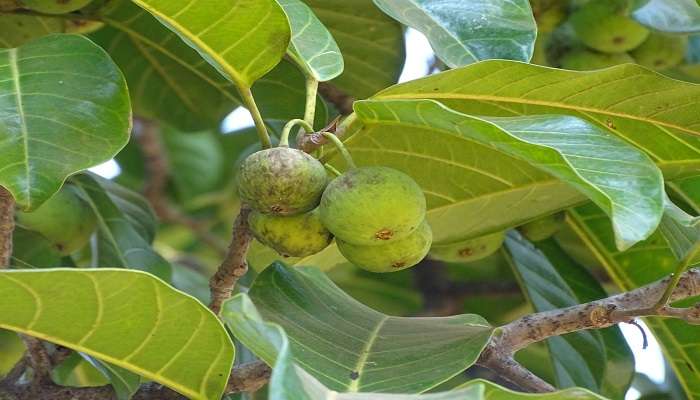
(64, 107)
(675, 16)
(371, 43)
(350, 347)
(127, 318)
(681, 230)
(597, 360)
(243, 39)
(463, 32)
(610, 172)
(312, 47)
(119, 243)
(642, 264)
(290, 382)
(31, 250)
(653, 112)
(124, 382)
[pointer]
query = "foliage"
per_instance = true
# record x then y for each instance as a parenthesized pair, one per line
(572, 122)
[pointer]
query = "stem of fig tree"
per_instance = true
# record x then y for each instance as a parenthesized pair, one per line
(249, 103)
(341, 148)
(7, 226)
(310, 109)
(284, 138)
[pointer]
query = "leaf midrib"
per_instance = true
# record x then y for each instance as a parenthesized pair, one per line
(516, 100)
(14, 71)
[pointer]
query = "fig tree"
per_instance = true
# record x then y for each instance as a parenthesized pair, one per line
(54, 6)
(291, 236)
(372, 206)
(65, 220)
(602, 25)
(281, 181)
(391, 256)
(543, 228)
(586, 60)
(661, 51)
(468, 250)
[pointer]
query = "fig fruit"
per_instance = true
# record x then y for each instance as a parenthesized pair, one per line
(391, 256)
(66, 220)
(291, 236)
(661, 51)
(468, 250)
(543, 228)
(54, 6)
(586, 60)
(602, 25)
(281, 181)
(372, 206)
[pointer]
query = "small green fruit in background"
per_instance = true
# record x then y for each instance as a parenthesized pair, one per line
(586, 60)
(82, 26)
(602, 25)
(54, 6)
(661, 51)
(372, 206)
(281, 181)
(543, 228)
(65, 220)
(468, 250)
(292, 236)
(392, 256)
(548, 14)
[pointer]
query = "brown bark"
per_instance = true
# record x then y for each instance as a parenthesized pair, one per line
(7, 226)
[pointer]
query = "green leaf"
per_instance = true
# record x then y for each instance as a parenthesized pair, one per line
(464, 32)
(119, 243)
(198, 160)
(644, 263)
(136, 209)
(673, 16)
(372, 44)
(681, 231)
(20, 29)
(653, 112)
(613, 174)
(351, 347)
(312, 47)
(554, 281)
(127, 318)
(124, 383)
(242, 39)
(64, 108)
(290, 382)
(31, 250)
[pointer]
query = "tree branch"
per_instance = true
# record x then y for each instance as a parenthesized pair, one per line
(510, 370)
(624, 307)
(234, 265)
(7, 226)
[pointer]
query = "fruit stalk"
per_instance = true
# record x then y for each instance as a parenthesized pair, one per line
(341, 148)
(249, 103)
(234, 265)
(7, 226)
(310, 108)
(284, 137)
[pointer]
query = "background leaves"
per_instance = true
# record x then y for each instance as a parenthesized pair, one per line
(464, 32)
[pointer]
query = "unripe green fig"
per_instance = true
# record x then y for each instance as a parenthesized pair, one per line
(54, 6)
(468, 250)
(661, 51)
(372, 206)
(603, 26)
(65, 220)
(292, 236)
(281, 181)
(548, 14)
(586, 60)
(543, 228)
(391, 256)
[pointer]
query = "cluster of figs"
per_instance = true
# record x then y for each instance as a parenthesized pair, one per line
(375, 214)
